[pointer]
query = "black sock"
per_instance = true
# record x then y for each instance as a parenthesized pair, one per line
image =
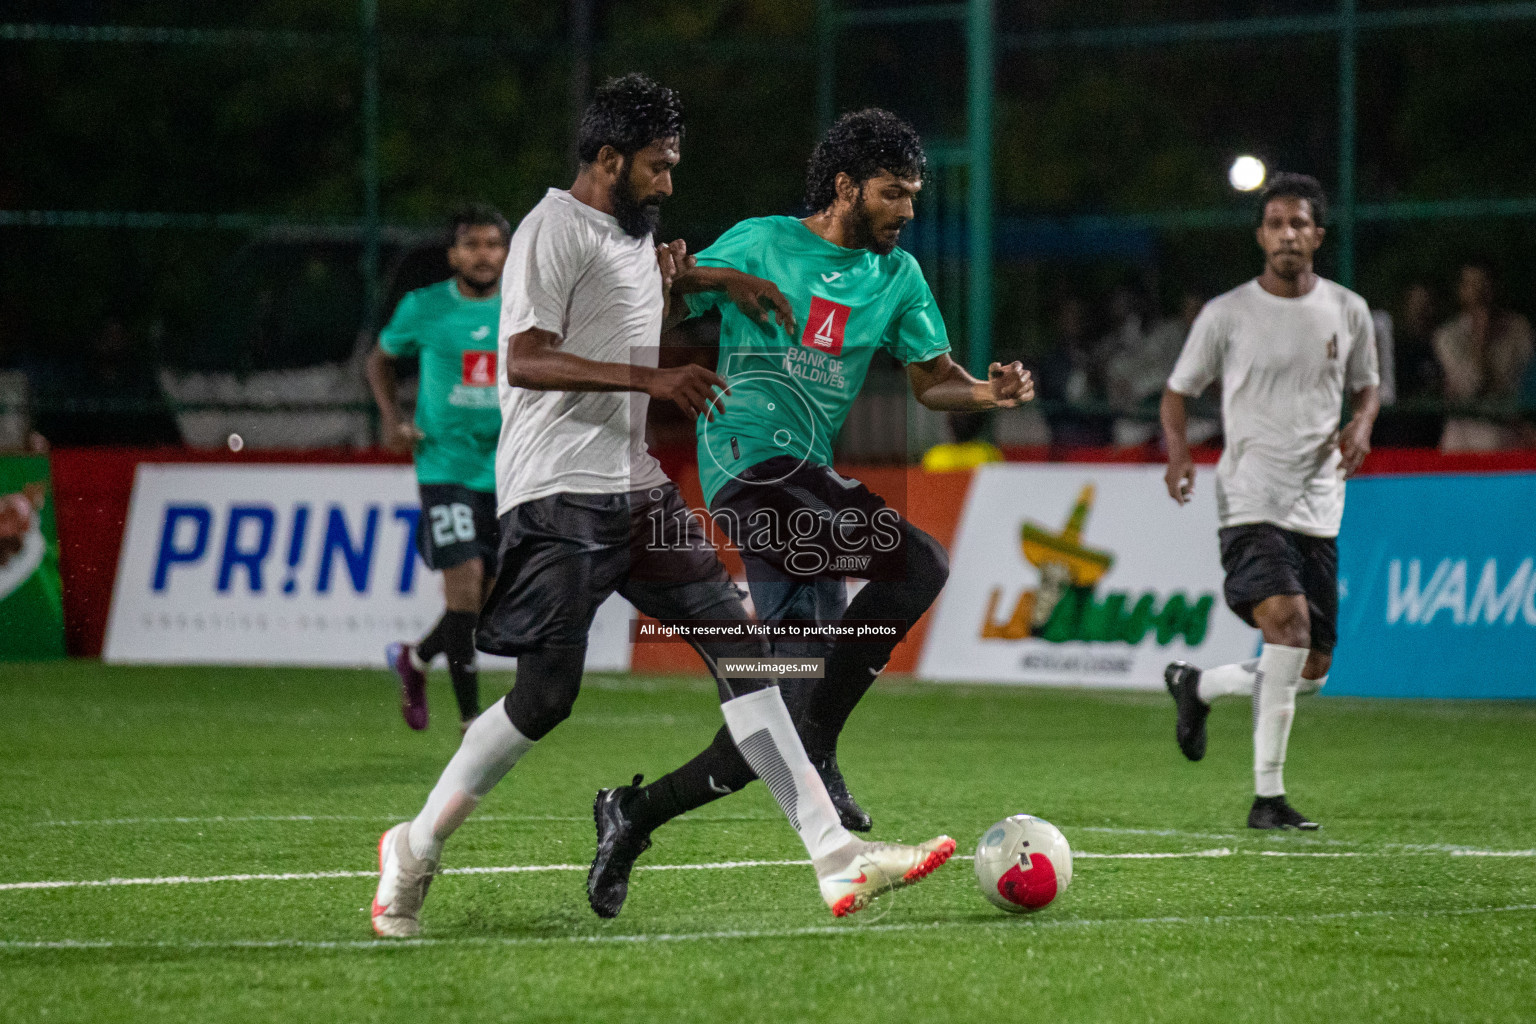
(853, 665)
(716, 772)
(434, 643)
(458, 629)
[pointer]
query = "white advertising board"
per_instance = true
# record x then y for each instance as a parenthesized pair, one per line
(1084, 575)
(285, 565)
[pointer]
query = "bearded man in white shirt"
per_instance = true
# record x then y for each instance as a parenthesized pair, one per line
(1287, 347)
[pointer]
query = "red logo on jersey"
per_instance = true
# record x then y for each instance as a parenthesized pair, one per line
(824, 327)
(480, 369)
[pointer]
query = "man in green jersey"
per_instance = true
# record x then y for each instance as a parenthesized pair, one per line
(450, 327)
(805, 306)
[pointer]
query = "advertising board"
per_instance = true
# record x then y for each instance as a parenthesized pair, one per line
(1083, 575)
(1437, 587)
(285, 565)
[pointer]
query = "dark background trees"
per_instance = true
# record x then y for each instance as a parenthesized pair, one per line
(476, 104)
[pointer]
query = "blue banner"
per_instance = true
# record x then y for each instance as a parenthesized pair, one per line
(1437, 587)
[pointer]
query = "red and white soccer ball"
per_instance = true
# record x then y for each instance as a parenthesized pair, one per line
(1023, 863)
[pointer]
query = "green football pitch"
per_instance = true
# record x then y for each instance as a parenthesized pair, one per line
(199, 845)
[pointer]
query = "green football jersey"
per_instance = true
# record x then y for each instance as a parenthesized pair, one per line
(457, 409)
(791, 395)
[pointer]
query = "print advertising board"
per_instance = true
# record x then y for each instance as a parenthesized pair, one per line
(285, 565)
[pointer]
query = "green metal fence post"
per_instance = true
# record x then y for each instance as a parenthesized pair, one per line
(826, 68)
(371, 213)
(980, 84)
(1345, 221)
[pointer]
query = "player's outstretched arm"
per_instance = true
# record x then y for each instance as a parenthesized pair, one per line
(943, 384)
(399, 433)
(759, 300)
(1180, 476)
(1355, 438)
(535, 362)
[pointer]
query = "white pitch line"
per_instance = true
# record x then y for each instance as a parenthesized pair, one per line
(1179, 855)
(221, 819)
(1175, 833)
(293, 876)
(1492, 853)
(518, 869)
(216, 819)
(1165, 832)
(22, 945)
(304, 876)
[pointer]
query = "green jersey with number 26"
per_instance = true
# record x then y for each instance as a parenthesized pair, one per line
(791, 394)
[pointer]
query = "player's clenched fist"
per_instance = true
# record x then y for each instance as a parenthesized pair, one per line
(400, 436)
(691, 386)
(1011, 385)
(1354, 444)
(1180, 477)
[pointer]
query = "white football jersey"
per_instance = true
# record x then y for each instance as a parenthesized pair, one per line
(574, 272)
(1285, 366)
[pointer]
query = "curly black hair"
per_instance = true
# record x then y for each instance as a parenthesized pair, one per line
(628, 113)
(861, 144)
(474, 215)
(1286, 185)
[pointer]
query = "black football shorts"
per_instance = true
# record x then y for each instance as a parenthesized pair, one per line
(456, 524)
(562, 556)
(1263, 560)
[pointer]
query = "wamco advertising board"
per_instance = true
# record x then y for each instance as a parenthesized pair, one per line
(1437, 587)
(1083, 575)
(284, 565)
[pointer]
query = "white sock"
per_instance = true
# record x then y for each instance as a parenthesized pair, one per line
(1309, 686)
(488, 751)
(766, 737)
(1227, 681)
(1274, 704)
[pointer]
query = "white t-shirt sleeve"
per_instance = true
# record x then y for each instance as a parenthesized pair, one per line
(1362, 370)
(1200, 361)
(542, 270)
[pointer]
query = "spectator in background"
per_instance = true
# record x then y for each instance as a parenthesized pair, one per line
(1405, 343)
(1137, 373)
(112, 396)
(1483, 354)
(1386, 355)
(1070, 375)
(1413, 336)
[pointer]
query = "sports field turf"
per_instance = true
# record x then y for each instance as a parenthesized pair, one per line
(1416, 902)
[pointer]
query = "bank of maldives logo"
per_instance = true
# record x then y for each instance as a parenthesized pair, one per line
(825, 325)
(1066, 604)
(479, 369)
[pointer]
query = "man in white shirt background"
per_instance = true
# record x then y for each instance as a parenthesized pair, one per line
(1286, 347)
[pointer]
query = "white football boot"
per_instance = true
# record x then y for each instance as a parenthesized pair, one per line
(403, 881)
(878, 868)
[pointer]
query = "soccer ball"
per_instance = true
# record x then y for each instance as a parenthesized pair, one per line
(1023, 863)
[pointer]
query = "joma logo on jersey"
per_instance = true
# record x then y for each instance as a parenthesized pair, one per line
(480, 369)
(825, 325)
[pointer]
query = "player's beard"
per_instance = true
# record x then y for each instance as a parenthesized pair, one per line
(861, 230)
(482, 282)
(638, 218)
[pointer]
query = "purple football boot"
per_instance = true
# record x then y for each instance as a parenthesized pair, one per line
(413, 685)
